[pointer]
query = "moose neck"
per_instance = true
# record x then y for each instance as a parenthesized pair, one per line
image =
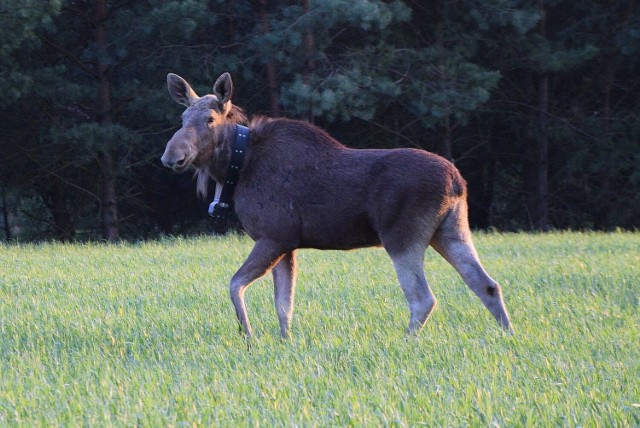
(223, 140)
(213, 161)
(223, 201)
(236, 115)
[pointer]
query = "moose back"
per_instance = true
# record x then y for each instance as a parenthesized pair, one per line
(300, 188)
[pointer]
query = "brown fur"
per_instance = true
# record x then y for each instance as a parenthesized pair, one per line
(300, 188)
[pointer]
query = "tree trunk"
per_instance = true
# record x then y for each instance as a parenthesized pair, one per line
(5, 216)
(108, 199)
(64, 228)
(482, 198)
(229, 20)
(604, 171)
(309, 63)
(272, 81)
(541, 214)
(541, 208)
(445, 143)
(438, 34)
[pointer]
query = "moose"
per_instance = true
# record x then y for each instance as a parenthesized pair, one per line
(300, 188)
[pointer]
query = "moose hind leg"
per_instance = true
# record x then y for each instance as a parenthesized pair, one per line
(284, 280)
(461, 254)
(263, 256)
(409, 267)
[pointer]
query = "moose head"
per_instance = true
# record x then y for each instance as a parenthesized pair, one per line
(191, 145)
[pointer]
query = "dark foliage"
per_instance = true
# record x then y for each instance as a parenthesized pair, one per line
(536, 102)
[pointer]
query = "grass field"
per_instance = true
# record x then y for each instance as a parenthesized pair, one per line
(144, 334)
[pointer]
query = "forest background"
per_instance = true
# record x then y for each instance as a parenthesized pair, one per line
(536, 101)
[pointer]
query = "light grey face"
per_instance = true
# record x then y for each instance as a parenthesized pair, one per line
(187, 145)
(193, 137)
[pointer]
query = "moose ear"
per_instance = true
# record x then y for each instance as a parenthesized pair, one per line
(180, 90)
(223, 88)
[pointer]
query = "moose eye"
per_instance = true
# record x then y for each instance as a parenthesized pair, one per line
(210, 120)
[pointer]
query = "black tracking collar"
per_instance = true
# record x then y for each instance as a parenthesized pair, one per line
(221, 209)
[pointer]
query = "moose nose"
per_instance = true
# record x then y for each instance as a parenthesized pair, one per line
(166, 162)
(173, 163)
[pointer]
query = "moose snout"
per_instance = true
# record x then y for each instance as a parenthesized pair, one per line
(177, 156)
(173, 161)
(179, 153)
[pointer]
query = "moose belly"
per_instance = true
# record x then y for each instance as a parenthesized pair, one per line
(306, 225)
(326, 229)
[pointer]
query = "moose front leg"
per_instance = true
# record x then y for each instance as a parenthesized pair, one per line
(263, 256)
(284, 281)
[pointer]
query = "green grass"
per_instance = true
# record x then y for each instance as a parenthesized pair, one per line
(122, 335)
